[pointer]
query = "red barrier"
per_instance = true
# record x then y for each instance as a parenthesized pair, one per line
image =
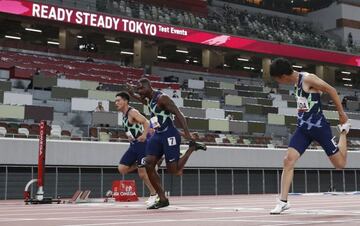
(42, 152)
(39, 196)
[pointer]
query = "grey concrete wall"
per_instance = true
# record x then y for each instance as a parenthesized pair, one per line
(84, 153)
(110, 118)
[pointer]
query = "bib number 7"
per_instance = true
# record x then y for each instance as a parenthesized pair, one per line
(171, 141)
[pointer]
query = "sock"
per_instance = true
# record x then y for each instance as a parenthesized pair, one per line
(283, 200)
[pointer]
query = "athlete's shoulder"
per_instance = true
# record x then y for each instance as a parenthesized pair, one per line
(311, 83)
(307, 74)
(163, 97)
(133, 111)
(309, 77)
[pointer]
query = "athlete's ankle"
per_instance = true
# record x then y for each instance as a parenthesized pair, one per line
(162, 197)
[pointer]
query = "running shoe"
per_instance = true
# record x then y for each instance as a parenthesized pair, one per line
(197, 145)
(280, 207)
(182, 152)
(159, 204)
(151, 200)
(344, 127)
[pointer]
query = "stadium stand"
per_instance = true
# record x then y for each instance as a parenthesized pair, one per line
(231, 112)
(227, 19)
(275, 28)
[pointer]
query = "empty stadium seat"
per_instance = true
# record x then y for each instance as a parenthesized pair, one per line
(3, 131)
(23, 131)
(55, 131)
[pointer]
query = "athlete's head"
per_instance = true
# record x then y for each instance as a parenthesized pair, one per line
(144, 87)
(280, 70)
(122, 101)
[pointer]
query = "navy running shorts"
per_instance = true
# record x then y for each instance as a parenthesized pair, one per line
(166, 142)
(135, 153)
(302, 138)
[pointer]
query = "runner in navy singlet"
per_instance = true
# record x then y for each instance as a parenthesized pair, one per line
(166, 139)
(136, 128)
(312, 124)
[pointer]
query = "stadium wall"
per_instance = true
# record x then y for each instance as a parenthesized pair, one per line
(328, 18)
(85, 153)
(80, 165)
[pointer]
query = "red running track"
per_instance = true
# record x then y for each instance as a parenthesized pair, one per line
(317, 209)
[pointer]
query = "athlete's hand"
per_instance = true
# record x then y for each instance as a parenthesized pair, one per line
(343, 118)
(151, 131)
(142, 138)
(129, 88)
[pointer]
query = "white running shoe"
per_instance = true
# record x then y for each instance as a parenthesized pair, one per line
(151, 200)
(182, 152)
(280, 207)
(345, 127)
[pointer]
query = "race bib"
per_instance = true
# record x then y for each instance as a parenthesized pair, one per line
(154, 122)
(302, 104)
(171, 141)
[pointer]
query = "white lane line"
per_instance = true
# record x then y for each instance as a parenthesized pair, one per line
(118, 217)
(16, 219)
(96, 219)
(90, 211)
(262, 203)
(167, 220)
(219, 219)
(118, 210)
(67, 212)
(271, 204)
(147, 221)
(105, 217)
(314, 222)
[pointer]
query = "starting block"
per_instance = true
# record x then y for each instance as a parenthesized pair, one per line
(122, 191)
(83, 197)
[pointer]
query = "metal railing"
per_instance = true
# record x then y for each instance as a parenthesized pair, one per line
(64, 181)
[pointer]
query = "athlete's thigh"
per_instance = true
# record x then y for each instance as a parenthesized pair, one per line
(292, 155)
(154, 146)
(151, 160)
(141, 153)
(142, 171)
(124, 169)
(324, 137)
(337, 159)
(172, 167)
(171, 145)
(129, 157)
(300, 141)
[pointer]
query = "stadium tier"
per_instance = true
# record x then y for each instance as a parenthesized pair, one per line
(66, 91)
